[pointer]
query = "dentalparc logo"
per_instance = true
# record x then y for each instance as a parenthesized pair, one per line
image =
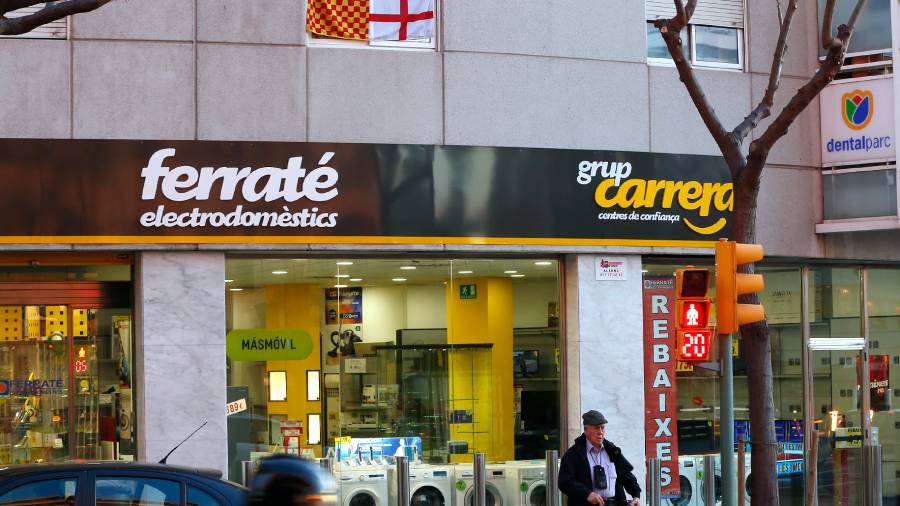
(858, 109)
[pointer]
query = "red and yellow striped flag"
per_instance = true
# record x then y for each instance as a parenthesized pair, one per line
(344, 19)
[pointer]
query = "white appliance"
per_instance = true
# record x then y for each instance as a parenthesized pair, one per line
(428, 485)
(689, 481)
(531, 483)
(363, 486)
(500, 486)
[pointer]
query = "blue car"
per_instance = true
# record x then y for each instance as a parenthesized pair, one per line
(116, 484)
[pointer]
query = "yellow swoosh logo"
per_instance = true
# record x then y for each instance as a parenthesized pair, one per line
(712, 229)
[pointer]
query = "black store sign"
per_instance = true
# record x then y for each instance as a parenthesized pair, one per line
(93, 191)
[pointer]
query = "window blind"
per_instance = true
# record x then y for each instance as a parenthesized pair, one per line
(728, 13)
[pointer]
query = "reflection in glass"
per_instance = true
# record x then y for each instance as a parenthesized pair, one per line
(873, 28)
(860, 194)
(715, 44)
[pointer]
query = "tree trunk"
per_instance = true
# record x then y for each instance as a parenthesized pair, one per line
(757, 351)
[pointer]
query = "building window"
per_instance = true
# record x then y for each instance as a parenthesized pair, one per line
(418, 30)
(704, 46)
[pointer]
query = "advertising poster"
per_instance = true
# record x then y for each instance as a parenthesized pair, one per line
(345, 303)
(879, 382)
(660, 401)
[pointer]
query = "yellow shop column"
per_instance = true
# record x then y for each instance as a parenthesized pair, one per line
(479, 311)
(295, 307)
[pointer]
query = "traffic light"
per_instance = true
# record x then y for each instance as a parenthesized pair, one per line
(730, 284)
(692, 307)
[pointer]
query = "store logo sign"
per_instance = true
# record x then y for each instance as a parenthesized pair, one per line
(222, 184)
(859, 107)
(623, 198)
(31, 387)
(4, 388)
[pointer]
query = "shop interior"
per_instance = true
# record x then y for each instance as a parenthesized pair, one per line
(66, 351)
(430, 358)
(834, 314)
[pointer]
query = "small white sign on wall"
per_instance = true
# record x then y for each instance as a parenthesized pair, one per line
(237, 406)
(610, 269)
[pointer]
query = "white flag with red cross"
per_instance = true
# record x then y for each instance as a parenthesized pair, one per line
(401, 19)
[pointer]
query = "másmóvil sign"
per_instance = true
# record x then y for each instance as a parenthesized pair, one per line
(858, 121)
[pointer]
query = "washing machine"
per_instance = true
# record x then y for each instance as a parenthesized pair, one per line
(531, 482)
(363, 486)
(500, 484)
(429, 485)
(688, 481)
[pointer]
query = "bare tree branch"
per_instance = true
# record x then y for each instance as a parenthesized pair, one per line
(11, 5)
(672, 37)
(764, 109)
(24, 24)
(683, 14)
(826, 24)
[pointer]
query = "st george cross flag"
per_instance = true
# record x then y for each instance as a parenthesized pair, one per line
(401, 19)
(344, 19)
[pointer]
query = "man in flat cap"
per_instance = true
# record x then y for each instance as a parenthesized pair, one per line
(594, 471)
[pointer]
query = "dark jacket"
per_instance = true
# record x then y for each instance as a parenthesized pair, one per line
(575, 473)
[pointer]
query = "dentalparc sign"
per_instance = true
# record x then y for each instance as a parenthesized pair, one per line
(95, 191)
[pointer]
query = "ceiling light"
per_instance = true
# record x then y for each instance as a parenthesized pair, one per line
(236, 289)
(279, 273)
(342, 275)
(399, 280)
(510, 272)
(356, 280)
(517, 276)
(229, 281)
(543, 262)
(408, 268)
(340, 286)
(344, 262)
(464, 272)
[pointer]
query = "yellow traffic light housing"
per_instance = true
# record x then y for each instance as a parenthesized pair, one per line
(730, 284)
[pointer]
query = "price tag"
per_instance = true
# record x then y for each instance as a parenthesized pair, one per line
(236, 406)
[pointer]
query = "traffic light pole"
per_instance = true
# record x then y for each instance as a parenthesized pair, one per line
(726, 414)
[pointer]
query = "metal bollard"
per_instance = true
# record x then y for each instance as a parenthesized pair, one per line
(709, 479)
(480, 481)
(654, 482)
(327, 465)
(552, 474)
(402, 481)
(872, 464)
(246, 472)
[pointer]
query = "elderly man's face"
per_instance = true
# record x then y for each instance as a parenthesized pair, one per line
(595, 434)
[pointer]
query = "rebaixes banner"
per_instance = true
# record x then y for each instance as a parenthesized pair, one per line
(193, 191)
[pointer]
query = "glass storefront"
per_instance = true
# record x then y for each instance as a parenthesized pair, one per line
(364, 359)
(66, 381)
(835, 323)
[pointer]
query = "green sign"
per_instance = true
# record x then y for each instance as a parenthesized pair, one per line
(468, 291)
(268, 344)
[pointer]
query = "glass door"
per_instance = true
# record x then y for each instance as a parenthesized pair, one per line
(836, 396)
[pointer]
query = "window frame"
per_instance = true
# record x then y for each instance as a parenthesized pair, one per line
(692, 51)
(315, 41)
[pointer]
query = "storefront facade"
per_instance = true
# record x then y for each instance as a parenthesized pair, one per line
(283, 164)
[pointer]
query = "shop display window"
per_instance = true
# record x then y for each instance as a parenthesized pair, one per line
(431, 358)
(66, 356)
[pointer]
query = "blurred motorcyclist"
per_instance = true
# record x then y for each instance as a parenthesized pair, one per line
(288, 480)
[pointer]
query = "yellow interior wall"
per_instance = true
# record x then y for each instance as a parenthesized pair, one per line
(481, 380)
(296, 307)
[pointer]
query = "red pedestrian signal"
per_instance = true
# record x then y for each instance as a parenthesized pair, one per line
(692, 307)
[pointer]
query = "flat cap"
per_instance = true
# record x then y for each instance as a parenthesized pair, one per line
(593, 417)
